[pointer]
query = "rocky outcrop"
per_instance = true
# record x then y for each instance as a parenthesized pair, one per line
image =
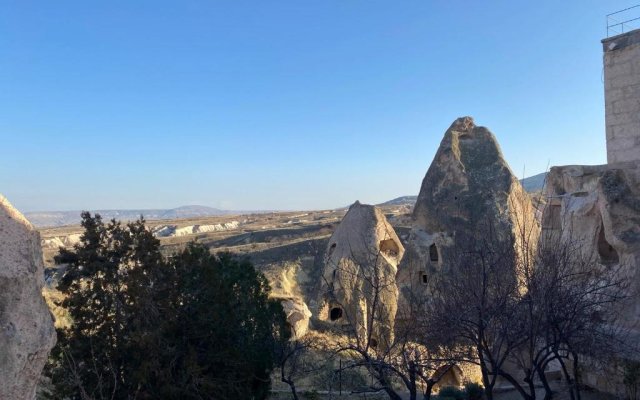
(26, 325)
(284, 279)
(598, 208)
(298, 316)
(358, 290)
(467, 186)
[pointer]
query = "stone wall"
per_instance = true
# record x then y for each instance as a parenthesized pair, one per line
(622, 96)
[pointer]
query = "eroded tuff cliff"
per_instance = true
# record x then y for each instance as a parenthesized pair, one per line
(597, 207)
(358, 290)
(468, 189)
(26, 325)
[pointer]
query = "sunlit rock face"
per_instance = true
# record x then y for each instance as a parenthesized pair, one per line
(298, 316)
(468, 186)
(597, 207)
(26, 325)
(358, 290)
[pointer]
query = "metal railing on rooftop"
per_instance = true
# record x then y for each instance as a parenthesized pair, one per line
(623, 21)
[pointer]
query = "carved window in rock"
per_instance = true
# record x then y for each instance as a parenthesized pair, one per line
(608, 255)
(424, 279)
(433, 253)
(331, 250)
(335, 313)
(389, 248)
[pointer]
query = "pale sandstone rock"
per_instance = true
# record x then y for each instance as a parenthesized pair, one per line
(364, 249)
(26, 325)
(298, 316)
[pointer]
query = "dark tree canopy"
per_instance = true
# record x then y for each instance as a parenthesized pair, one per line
(191, 326)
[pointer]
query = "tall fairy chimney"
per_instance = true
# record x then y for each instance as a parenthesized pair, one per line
(622, 96)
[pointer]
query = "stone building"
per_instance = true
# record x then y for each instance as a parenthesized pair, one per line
(622, 96)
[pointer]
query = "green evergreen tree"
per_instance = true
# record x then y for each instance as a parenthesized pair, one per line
(194, 326)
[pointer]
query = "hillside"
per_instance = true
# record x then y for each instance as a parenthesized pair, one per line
(62, 218)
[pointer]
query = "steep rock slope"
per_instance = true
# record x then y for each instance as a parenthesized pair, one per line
(468, 185)
(358, 280)
(27, 332)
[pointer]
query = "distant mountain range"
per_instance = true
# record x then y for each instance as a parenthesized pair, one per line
(401, 201)
(61, 218)
(534, 183)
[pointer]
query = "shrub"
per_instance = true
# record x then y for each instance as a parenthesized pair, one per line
(473, 391)
(450, 392)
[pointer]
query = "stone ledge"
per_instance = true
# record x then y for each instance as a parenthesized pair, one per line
(621, 41)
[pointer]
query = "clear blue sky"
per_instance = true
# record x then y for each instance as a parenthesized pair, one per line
(284, 104)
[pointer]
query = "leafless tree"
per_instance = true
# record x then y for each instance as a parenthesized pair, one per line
(298, 359)
(472, 301)
(523, 304)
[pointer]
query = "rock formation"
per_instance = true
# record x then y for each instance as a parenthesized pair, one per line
(284, 279)
(598, 207)
(358, 290)
(298, 316)
(26, 326)
(467, 186)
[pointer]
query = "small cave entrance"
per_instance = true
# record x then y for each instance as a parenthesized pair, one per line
(331, 249)
(389, 248)
(373, 343)
(335, 313)
(433, 253)
(424, 279)
(608, 255)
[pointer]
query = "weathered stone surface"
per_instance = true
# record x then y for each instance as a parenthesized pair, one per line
(26, 325)
(358, 280)
(298, 316)
(598, 207)
(468, 184)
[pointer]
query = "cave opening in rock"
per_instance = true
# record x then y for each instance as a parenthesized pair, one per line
(289, 329)
(332, 248)
(608, 255)
(433, 253)
(423, 277)
(373, 343)
(389, 247)
(335, 313)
